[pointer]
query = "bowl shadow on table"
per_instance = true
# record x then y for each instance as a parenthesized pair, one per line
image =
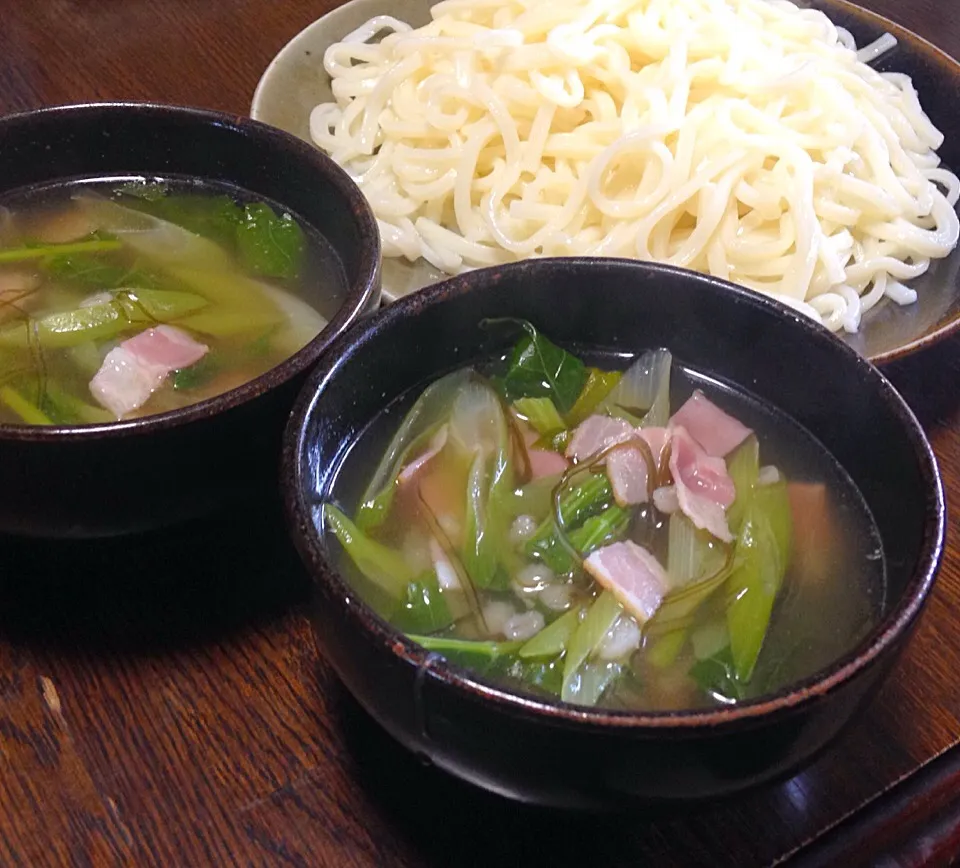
(928, 382)
(160, 591)
(435, 814)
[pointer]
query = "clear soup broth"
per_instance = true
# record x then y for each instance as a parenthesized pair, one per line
(650, 599)
(124, 297)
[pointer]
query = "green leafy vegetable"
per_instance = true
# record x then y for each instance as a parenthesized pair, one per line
(159, 305)
(718, 676)
(94, 272)
(577, 503)
(213, 217)
(198, 374)
(269, 244)
(538, 368)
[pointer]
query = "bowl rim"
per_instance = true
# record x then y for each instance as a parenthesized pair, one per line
(361, 294)
(882, 639)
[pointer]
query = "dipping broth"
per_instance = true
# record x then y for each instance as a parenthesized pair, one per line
(125, 297)
(711, 551)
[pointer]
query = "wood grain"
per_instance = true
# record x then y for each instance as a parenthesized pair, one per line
(162, 708)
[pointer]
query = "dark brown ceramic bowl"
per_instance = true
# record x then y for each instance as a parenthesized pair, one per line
(97, 480)
(558, 754)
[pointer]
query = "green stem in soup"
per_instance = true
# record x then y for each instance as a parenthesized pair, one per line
(386, 568)
(27, 411)
(467, 653)
(424, 608)
(24, 254)
(762, 555)
(601, 616)
(478, 425)
(103, 320)
(553, 639)
(598, 386)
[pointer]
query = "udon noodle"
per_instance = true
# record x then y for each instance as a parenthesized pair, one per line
(744, 138)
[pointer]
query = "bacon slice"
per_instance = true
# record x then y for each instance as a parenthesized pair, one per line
(704, 488)
(627, 472)
(716, 431)
(632, 574)
(596, 433)
(627, 469)
(437, 442)
(544, 462)
(133, 371)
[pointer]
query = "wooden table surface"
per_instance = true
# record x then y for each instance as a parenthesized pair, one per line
(169, 708)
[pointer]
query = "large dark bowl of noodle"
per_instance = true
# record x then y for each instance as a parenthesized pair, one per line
(544, 751)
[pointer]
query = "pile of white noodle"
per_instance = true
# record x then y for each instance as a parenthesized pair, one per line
(744, 138)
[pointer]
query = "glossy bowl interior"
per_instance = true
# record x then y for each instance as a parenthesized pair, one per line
(549, 752)
(108, 479)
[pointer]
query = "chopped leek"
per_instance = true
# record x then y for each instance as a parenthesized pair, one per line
(601, 616)
(598, 386)
(22, 254)
(28, 412)
(418, 426)
(762, 553)
(386, 568)
(552, 640)
(643, 393)
(541, 414)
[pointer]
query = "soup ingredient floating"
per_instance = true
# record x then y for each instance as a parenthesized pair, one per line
(119, 301)
(560, 527)
(743, 138)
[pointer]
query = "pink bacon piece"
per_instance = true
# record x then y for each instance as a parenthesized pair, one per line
(434, 448)
(632, 574)
(704, 488)
(596, 433)
(627, 468)
(543, 462)
(716, 431)
(133, 371)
